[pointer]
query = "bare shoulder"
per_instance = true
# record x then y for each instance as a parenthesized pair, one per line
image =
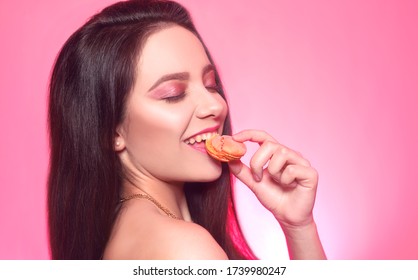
(155, 236)
(187, 240)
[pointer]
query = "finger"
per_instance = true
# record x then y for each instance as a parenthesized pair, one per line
(242, 172)
(278, 155)
(284, 155)
(294, 175)
(276, 164)
(260, 158)
(257, 136)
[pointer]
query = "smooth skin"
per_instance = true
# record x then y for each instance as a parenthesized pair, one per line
(286, 187)
(152, 147)
(160, 118)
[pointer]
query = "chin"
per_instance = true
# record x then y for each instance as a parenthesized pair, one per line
(208, 174)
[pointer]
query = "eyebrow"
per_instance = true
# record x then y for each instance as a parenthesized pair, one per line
(174, 76)
(182, 76)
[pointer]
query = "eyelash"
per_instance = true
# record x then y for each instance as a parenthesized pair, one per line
(216, 88)
(176, 98)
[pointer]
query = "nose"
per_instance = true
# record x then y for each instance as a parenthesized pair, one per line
(210, 104)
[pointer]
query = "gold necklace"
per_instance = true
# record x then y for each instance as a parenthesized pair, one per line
(150, 198)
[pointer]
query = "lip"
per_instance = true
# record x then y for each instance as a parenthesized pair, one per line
(209, 129)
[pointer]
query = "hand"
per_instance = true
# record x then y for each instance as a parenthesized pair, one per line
(286, 186)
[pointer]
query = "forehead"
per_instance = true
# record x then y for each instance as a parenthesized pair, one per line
(171, 50)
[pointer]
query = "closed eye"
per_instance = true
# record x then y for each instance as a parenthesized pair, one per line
(175, 98)
(209, 79)
(214, 88)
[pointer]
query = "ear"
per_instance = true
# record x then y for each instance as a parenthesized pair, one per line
(119, 142)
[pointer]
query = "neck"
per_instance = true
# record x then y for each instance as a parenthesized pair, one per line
(169, 195)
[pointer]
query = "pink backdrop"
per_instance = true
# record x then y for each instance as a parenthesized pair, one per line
(335, 80)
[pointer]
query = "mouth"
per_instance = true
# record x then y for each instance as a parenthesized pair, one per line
(199, 138)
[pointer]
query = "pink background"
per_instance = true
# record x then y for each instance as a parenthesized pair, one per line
(335, 80)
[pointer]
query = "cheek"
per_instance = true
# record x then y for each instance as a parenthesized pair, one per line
(155, 127)
(153, 137)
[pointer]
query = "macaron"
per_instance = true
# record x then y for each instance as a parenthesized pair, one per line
(224, 148)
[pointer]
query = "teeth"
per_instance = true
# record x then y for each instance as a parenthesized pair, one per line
(199, 138)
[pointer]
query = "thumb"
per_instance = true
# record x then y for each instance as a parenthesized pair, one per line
(242, 172)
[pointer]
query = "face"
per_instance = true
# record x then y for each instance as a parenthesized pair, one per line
(174, 106)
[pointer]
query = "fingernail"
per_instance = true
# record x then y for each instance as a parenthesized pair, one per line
(256, 178)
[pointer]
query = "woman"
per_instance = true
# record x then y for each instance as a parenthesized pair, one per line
(133, 95)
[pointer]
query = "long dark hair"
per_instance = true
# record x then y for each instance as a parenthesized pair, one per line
(91, 79)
